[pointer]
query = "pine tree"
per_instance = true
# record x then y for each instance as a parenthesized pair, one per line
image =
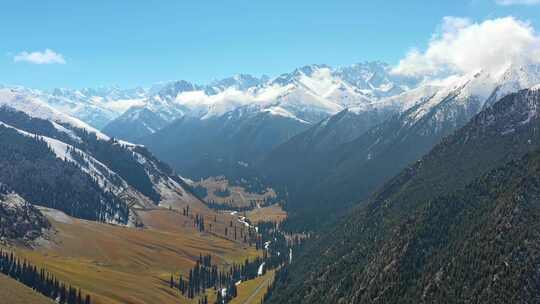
(219, 298)
(79, 297)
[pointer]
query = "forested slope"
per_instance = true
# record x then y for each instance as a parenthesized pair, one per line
(458, 226)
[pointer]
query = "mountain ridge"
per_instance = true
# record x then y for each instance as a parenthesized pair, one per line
(471, 197)
(122, 174)
(351, 171)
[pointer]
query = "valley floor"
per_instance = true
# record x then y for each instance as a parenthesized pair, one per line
(14, 292)
(116, 264)
(273, 213)
(252, 292)
(219, 191)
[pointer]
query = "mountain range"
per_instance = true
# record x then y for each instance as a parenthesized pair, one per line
(54, 160)
(456, 226)
(322, 136)
(402, 184)
(231, 132)
(228, 115)
(351, 170)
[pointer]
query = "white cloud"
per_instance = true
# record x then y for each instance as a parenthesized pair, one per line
(517, 2)
(461, 46)
(46, 57)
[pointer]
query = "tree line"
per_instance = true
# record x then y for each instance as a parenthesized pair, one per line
(206, 275)
(41, 280)
(31, 169)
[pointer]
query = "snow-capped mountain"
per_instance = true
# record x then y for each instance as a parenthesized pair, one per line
(229, 144)
(374, 78)
(234, 126)
(471, 194)
(470, 93)
(515, 78)
(94, 106)
(97, 106)
(116, 174)
(32, 104)
(348, 172)
(241, 82)
(310, 93)
(334, 126)
(136, 123)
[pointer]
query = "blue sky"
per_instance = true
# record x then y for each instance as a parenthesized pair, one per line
(132, 42)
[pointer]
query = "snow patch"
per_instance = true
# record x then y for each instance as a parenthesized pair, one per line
(279, 111)
(56, 215)
(37, 108)
(97, 170)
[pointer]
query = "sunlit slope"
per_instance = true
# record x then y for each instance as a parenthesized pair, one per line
(127, 265)
(14, 292)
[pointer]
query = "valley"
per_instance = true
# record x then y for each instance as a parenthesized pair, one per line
(136, 231)
(253, 291)
(200, 153)
(112, 263)
(273, 213)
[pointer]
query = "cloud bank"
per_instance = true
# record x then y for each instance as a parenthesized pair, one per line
(46, 57)
(462, 46)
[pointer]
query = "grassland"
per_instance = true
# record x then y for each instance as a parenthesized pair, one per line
(272, 213)
(13, 292)
(128, 265)
(238, 197)
(116, 264)
(252, 292)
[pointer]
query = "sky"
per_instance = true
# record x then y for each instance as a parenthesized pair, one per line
(76, 43)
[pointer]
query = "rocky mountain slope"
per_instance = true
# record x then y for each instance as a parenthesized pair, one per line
(19, 220)
(80, 170)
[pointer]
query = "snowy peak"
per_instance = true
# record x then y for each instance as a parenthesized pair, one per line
(108, 92)
(37, 108)
(476, 90)
(375, 78)
(307, 94)
(293, 77)
(516, 77)
(241, 82)
(171, 90)
(322, 89)
(95, 106)
(355, 84)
